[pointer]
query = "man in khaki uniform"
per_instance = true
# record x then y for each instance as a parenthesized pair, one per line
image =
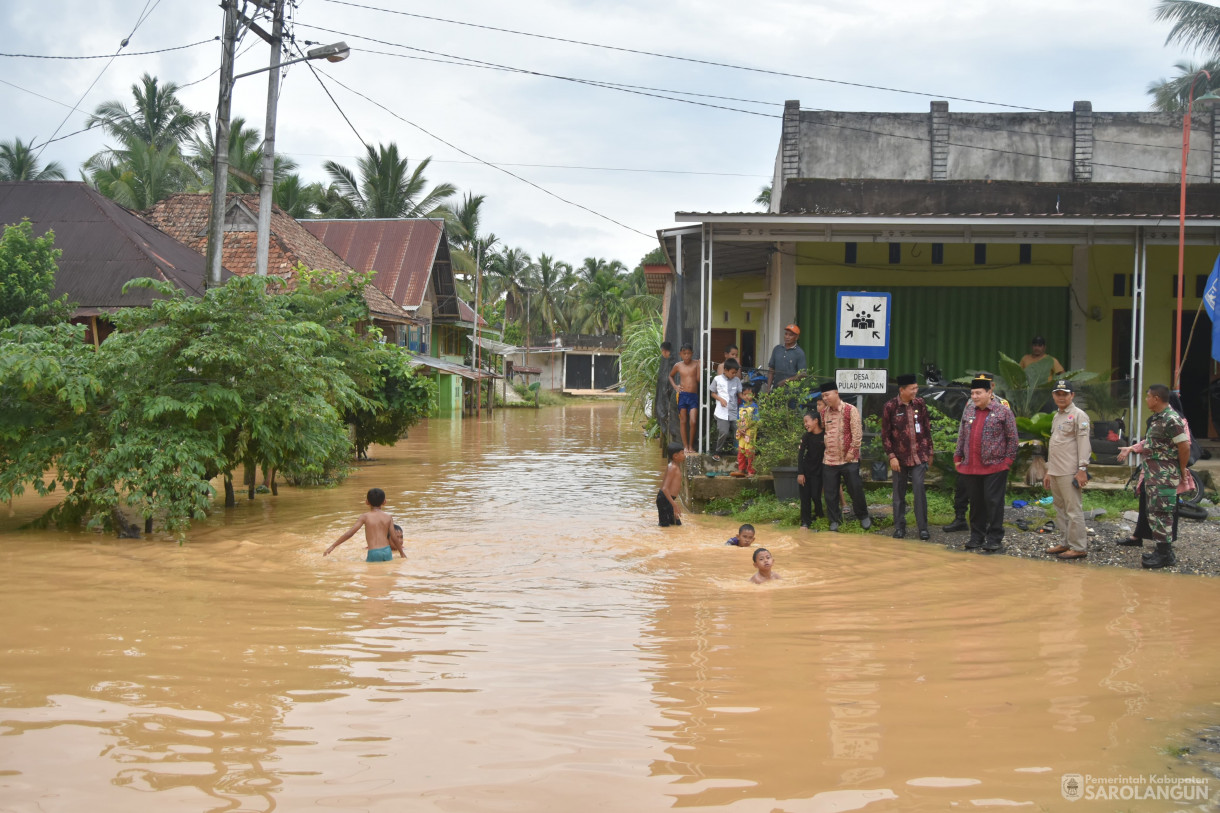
(1067, 466)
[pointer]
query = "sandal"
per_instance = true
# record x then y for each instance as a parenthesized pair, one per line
(1023, 524)
(1132, 542)
(1048, 528)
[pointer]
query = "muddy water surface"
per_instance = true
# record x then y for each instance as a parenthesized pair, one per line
(546, 647)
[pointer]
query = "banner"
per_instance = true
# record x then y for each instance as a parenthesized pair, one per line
(1210, 295)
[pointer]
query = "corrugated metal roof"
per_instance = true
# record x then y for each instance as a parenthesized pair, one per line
(104, 245)
(448, 367)
(402, 252)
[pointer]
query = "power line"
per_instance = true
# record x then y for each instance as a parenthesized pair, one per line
(610, 86)
(680, 58)
(112, 56)
(487, 163)
(139, 22)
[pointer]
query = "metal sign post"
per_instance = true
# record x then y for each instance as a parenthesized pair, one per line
(862, 332)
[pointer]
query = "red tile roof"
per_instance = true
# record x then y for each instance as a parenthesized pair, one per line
(103, 244)
(655, 277)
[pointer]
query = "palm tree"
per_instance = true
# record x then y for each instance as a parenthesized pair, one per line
(296, 199)
(1171, 95)
(385, 187)
(139, 174)
(1195, 25)
(19, 163)
(245, 163)
(158, 120)
(553, 282)
(764, 197)
(508, 276)
(464, 233)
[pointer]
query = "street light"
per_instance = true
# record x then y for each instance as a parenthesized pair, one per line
(1210, 96)
(335, 52)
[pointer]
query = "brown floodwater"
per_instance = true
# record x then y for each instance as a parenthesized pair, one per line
(546, 647)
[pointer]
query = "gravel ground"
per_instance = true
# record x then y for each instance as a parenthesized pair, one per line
(1197, 547)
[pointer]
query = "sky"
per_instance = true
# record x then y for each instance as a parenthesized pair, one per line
(630, 159)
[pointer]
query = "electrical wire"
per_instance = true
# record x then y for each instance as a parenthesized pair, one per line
(144, 13)
(112, 56)
(924, 139)
(680, 58)
(453, 146)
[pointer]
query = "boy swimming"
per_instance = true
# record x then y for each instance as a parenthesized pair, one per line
(668, 508)
(744, 538)
(763, 561)
(378, 528)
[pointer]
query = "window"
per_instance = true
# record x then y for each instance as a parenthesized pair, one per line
(1027, 254)
(895, 253)
(938, 254)
(849, 253)
(980, 253)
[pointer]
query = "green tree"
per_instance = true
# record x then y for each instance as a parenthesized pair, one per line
(138, 175)
(601, 303)
(553, 282)
(1171, 95)
(464, 233)
(245, 161)
(298, 200)
(764, 197)
(157, 119)
(27, 278)
(508, 275)
(639, 362)
(19, 163)
(383, 187)
(1196, 25)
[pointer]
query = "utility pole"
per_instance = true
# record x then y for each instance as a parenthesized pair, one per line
(263, 239)
(220, 153)
(478, 367)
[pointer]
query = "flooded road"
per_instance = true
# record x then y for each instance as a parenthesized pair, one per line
(546, 647)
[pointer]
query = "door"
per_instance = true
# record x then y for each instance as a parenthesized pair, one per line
(722, 337)
(578, 371)
(1196, 372)
(748, 348)
(605, 372)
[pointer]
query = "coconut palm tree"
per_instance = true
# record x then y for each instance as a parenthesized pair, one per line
(508, 275)
(1171, 95)
(601, 304)
(464, 233)
(158, 118)
(19, 163)
(245, 162)
(297, 199)
(138, 175)
(553, 281)
(1195, 25)
(385, 188)
(764, 197)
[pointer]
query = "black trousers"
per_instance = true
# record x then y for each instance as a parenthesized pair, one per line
(811, 496)
(986, 493)
(1144, 531)
(961, 500)
(665, 512)
(831, 477)
(919, 496)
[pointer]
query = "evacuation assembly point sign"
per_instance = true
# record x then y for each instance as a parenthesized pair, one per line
(863, 326)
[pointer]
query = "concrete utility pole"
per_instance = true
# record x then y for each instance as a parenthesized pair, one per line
(220, 153)
(268, 183)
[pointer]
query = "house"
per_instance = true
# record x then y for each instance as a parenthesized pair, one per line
(413, 268)
(104, 246)
(185, 217)
(986, 229)
(572, 363)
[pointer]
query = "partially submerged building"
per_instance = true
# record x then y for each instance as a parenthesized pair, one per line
(986, 229)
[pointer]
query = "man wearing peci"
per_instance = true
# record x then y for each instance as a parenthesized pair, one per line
(986, 449)
(906, 434)
(1067, 466)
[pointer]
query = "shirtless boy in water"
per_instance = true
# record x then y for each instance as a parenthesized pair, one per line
(687, 385)
(763, 561)
(378, 530)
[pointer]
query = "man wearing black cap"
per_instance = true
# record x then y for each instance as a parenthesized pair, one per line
(844, 432)
(1037, 352)
(1067, 467)
(907, 438)
(986, 449)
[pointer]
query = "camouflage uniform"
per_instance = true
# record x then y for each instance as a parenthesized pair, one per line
(1159, 471)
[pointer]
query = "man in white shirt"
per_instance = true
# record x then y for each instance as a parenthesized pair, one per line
(725, 389)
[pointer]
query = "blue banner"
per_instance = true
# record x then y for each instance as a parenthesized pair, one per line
(1210, 295)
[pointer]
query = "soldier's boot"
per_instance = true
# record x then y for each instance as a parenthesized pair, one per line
(1162, 556)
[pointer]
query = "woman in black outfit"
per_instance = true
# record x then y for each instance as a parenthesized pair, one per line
(809, 468)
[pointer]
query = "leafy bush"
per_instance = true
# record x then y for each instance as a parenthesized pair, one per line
(781, 422)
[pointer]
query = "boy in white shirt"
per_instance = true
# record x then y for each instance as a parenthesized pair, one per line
(725, 389)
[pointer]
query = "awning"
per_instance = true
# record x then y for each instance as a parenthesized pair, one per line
(451, 367)
(494, 347)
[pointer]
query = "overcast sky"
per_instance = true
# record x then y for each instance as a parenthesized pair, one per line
(655, 156)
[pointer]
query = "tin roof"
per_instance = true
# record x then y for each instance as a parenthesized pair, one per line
(655, 277)
(104, 245)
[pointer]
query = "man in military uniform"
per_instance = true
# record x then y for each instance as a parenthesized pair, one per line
(1067, 469)
(1163, 474)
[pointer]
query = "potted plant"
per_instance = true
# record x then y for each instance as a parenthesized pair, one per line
(780, 427)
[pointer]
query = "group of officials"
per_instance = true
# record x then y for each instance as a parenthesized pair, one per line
(987, 447)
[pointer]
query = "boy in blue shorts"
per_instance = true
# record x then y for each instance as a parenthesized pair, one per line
(378, 530)
(687, 385)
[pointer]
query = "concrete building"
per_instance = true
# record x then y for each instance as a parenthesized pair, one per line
(986, 229)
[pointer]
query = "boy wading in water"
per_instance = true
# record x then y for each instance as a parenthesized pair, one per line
(668, 507)
(378, 531)
(763, 561)
(687, 385)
